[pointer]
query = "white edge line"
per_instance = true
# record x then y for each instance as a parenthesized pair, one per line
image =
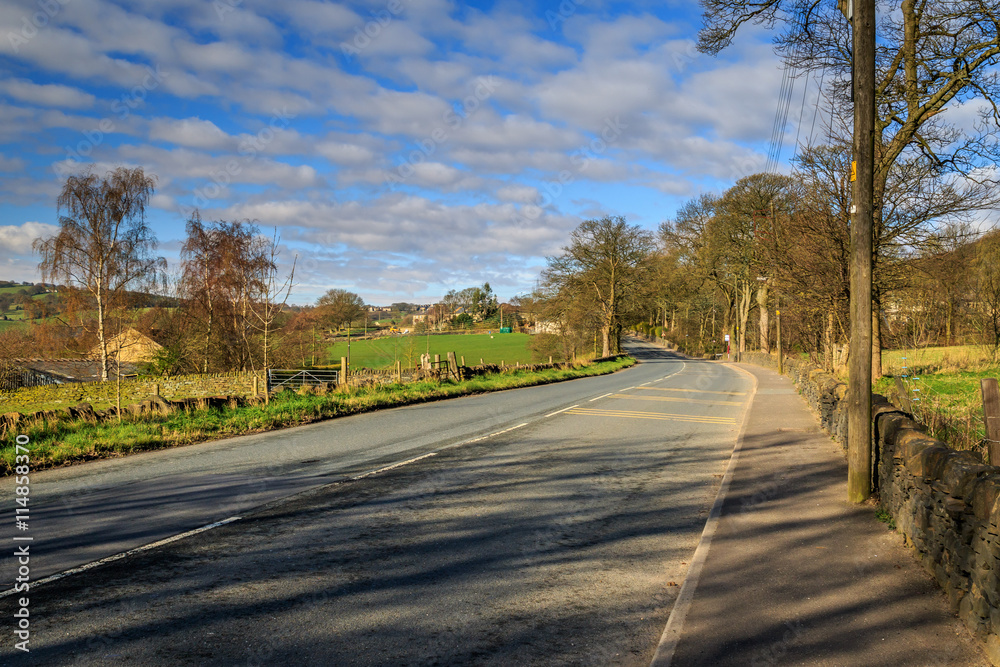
(392, 466)
(491, 435)
(119, 556)
(644, 384)
(180, 536)
(553, 414)
(600, 397)
(675, 623)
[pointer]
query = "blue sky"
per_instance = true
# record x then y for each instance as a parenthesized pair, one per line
(401, 148)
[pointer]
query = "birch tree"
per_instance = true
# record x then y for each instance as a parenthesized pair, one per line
(104, 246)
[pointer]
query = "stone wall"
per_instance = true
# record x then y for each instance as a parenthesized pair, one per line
(946, 503)
(132, 390)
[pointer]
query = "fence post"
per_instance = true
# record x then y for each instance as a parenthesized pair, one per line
(991, 417)
(452, 364)
(343, 371)
(904, 396)
(399, 371)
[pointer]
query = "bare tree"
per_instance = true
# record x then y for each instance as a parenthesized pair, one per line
(988, 290)
(268, 292)
(104, 246)
(338, 307)
(930, 57)
(226, 266)
(604, 261)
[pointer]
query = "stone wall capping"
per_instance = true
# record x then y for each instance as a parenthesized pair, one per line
(983, 496)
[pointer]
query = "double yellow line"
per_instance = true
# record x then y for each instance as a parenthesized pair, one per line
(695, 391)
(674, 399)
(632, 414)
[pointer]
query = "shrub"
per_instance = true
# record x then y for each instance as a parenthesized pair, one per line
(545, 345)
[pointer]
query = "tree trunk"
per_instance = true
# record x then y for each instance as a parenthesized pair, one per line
(765, 338)
(102, 335)
(828, 357)
(606, 340)
(744, 315)
(947, 330)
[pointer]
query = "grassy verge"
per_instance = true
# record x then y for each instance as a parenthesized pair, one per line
(66, 442)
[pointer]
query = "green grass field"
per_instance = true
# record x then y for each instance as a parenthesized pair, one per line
(13, 324)
(383, 352)
(943, 385)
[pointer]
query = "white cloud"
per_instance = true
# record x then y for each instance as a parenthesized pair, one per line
(49, 95)
(190, 132)
(11, 163)
(343, 153)
(518, 194)
(17, 239)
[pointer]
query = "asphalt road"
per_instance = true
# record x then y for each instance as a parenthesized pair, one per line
(547, 525)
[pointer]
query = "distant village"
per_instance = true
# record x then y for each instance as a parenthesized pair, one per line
(138, 345)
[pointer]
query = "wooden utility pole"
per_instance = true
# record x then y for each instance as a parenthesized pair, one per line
(859, 406)
(991, 418)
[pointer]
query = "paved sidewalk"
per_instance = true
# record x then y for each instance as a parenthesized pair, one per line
(795, 575)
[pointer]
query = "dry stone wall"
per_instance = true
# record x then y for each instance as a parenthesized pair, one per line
(132, 390)
(945, 503)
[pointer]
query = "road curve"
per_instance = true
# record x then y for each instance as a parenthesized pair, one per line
(101, 508)
(558, 540)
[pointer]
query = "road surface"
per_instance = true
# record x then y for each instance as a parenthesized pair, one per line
(548, 525)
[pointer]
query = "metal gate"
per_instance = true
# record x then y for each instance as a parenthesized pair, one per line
(279, 378)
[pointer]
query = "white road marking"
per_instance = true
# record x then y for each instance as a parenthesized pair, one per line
(486, 437)
(180, 536)
(398, 464)
(553, 414)
(110, 559)
(600, 397)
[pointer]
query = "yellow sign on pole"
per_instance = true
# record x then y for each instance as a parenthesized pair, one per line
(854, 171)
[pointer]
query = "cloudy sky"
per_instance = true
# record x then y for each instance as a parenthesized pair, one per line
(401, 148)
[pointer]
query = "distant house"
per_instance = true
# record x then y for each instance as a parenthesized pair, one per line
(547, 327)
(129, 347)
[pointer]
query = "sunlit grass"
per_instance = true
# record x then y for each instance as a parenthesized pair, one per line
(384, 352)
(942, 384)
